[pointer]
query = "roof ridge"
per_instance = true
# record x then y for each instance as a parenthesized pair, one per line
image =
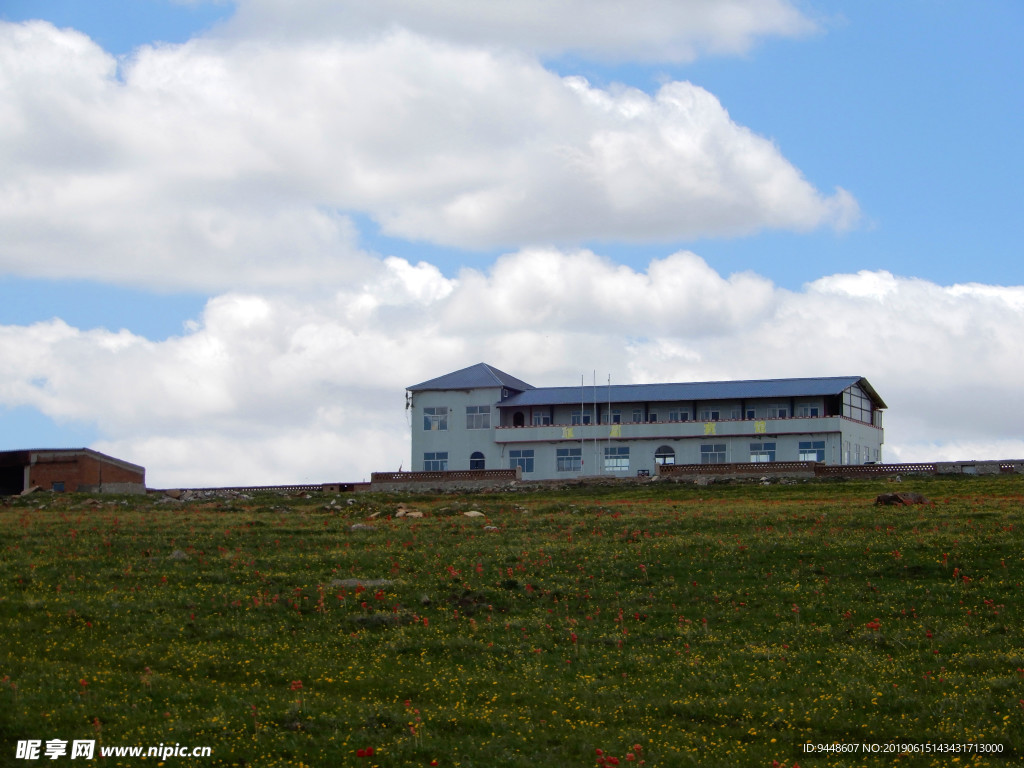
(471, 376)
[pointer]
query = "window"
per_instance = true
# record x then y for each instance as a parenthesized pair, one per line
(435, 419)
(665, 455)
(807, 411)
(652, 417)
(680, 414)
(712, 453)
(750, 414)
(812, 450)
(616, 458)
(435, 462)
(476, 460)
(478, 417)
(616, 416)
(58, 486)
(521, 458)
(542, 419)
(762, 452)
(569, 459)
(857, 405)
(638, 415)
(778, 412)
(581, 417)
(710, 414)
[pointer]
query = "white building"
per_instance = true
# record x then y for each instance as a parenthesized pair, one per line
(483, 418)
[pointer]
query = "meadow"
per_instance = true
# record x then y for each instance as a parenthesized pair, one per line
(655, 624)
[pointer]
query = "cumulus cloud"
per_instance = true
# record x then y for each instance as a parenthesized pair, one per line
(224, 163)
(645, 30)
(279, 388)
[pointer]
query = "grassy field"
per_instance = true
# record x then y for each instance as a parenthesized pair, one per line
(656, 625)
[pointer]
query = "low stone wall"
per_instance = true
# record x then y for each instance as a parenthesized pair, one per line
(1009, 466)
(873, 470)
(738, 471)
(454, 480)
(125, 488)
(810, 469)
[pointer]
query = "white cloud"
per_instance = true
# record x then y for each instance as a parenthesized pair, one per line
(585, 293)
(645, 30)
(223, 164)
(271, 388)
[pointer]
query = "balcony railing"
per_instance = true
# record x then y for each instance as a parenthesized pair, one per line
(667, 429)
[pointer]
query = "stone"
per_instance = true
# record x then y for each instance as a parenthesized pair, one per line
(360, 527)
(474, 513)
(905, 499)
(178, 555)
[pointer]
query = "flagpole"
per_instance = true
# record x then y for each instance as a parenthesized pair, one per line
(597, 420)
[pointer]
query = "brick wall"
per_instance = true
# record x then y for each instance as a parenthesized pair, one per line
(84, 471)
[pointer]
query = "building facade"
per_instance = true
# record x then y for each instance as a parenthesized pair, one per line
(482, 418)
(75, 469)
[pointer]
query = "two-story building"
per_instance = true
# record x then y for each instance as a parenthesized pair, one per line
(483, 418)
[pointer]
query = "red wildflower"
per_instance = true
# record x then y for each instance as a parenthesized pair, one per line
(296, 685)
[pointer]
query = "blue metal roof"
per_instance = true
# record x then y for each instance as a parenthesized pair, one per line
(706, 390)
(479, 376)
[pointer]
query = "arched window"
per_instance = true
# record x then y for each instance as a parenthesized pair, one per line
(476, 460)
(518, 419)
(665, 455)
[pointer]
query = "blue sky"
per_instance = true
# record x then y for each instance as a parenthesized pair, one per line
(884, 168)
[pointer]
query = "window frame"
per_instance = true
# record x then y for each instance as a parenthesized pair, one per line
(709, 450)
(616, 458)
(568, 459)
(478, 417)
(435, 418)
(521, 457)
(806, 447)
(435, 461)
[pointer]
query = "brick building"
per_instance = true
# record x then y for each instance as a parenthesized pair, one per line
(72, 469)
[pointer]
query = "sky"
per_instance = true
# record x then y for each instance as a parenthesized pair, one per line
(233, 233)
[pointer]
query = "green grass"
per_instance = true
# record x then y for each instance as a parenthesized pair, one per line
(723, 625)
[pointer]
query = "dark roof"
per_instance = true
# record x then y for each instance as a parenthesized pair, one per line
(479, 376)
(24, 456)
(705, 390)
